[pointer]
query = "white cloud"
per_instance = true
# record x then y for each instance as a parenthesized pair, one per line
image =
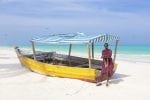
(70, 14)
(89, 16)
(68, 8)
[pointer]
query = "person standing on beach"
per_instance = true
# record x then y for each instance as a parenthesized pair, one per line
(107, 66)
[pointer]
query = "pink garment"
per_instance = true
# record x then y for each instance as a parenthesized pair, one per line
(106, 55)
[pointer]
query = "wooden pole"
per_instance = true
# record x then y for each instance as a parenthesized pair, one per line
(89, 55)
(92, 50)
(33, 49)
(70, 46)
(115, 52)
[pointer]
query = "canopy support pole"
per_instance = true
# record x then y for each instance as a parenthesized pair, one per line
(115, 52)
(92, 50)
(33, 49)
(70, 46)
(89, 55)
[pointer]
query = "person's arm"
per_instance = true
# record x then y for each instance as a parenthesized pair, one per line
(110, 53)
(106, 62)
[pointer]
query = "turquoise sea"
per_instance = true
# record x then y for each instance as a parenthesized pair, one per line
(133, 53)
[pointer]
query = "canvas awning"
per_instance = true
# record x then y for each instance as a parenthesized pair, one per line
(76, 38)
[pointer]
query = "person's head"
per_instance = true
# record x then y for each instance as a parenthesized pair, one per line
(106, 45)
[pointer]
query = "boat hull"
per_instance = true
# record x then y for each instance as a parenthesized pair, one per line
(86, 74)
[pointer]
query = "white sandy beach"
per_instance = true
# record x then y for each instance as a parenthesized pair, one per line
(130, 82)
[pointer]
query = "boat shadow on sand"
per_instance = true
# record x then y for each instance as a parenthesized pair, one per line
(12, 70)
(117, 78)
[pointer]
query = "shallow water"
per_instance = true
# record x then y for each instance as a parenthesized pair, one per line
(133, 53)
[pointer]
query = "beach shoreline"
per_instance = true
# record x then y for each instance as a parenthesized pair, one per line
(130, 81)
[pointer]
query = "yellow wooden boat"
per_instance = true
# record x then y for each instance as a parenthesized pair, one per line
(60, 65)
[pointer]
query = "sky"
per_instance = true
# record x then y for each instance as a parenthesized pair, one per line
(20, 20)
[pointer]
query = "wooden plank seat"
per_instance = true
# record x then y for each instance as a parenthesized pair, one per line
(76, 61)
(49, 57)
(59, 58)
(42, 56)
(69, 60)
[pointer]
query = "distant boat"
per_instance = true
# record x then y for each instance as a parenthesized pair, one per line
(60, 65)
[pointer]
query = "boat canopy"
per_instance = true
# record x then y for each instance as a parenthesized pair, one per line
(74, 38)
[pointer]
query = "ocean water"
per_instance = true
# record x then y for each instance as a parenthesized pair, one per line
(132, 53)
